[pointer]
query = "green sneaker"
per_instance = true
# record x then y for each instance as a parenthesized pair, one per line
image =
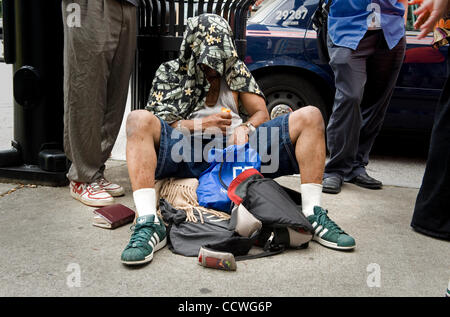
(328, 233)
(447, 294)
(147, 238)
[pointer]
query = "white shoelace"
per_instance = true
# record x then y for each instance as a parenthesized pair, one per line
(103, 182)
(96, 186)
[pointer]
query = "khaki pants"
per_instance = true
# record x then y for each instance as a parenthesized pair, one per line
(98, 60)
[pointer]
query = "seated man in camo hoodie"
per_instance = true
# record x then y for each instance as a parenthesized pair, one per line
(189, 94)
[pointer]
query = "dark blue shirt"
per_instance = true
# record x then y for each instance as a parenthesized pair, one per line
(349, 21)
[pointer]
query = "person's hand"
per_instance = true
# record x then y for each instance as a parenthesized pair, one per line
(240, 135)
(221, 120)
(428, 14)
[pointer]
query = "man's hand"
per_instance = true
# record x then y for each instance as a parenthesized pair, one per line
(240, 135)
(429, 13)
(221, 120)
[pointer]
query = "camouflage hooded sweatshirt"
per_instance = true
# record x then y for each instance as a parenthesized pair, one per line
(180, 87)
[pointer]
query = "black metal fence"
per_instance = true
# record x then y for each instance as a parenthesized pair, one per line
(161, 24)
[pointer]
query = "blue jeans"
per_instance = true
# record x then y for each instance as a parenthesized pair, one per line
(271, 139)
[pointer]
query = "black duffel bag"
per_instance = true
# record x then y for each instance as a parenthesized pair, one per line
(278, 208)
(264, 214)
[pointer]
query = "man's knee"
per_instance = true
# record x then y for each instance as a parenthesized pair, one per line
(142, 121)
(308, 116)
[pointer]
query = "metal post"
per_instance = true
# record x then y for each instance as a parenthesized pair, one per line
(33, 43)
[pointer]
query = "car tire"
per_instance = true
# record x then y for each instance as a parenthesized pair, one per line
(291, 90)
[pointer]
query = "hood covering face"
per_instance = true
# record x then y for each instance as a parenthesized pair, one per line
(180, 86)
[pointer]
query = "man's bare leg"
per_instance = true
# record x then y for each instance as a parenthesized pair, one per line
(143, 137)
(307, 132)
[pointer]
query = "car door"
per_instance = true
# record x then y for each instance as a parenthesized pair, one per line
(419, 84)
(280, 26)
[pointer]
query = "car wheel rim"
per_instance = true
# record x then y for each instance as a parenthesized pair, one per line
(279, 110)
(278, 101)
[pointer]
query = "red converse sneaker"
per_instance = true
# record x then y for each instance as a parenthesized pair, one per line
(90, 194)
(114, 190)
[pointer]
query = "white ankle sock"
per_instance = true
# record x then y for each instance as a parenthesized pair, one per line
(311, 196)
(145, 201)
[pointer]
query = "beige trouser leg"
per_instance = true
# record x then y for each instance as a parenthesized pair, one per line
(98, 61)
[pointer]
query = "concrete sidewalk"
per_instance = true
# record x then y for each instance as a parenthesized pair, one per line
(46, 236)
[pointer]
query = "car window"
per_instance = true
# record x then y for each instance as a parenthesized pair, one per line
(295, 13)
(264, 10)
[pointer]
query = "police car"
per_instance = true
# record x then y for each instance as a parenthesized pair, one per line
(282, 55)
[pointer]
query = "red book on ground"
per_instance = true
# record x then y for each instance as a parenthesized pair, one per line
(113, 216)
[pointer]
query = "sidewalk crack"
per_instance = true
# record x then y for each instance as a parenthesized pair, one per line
(12, 190)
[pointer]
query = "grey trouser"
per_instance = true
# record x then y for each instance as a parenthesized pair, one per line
(98, 61)
(365, 79)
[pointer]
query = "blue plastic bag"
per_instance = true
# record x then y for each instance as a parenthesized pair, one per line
(226, 163)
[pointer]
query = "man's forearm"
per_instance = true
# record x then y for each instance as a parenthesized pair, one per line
(258, 118)
(191, 125)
